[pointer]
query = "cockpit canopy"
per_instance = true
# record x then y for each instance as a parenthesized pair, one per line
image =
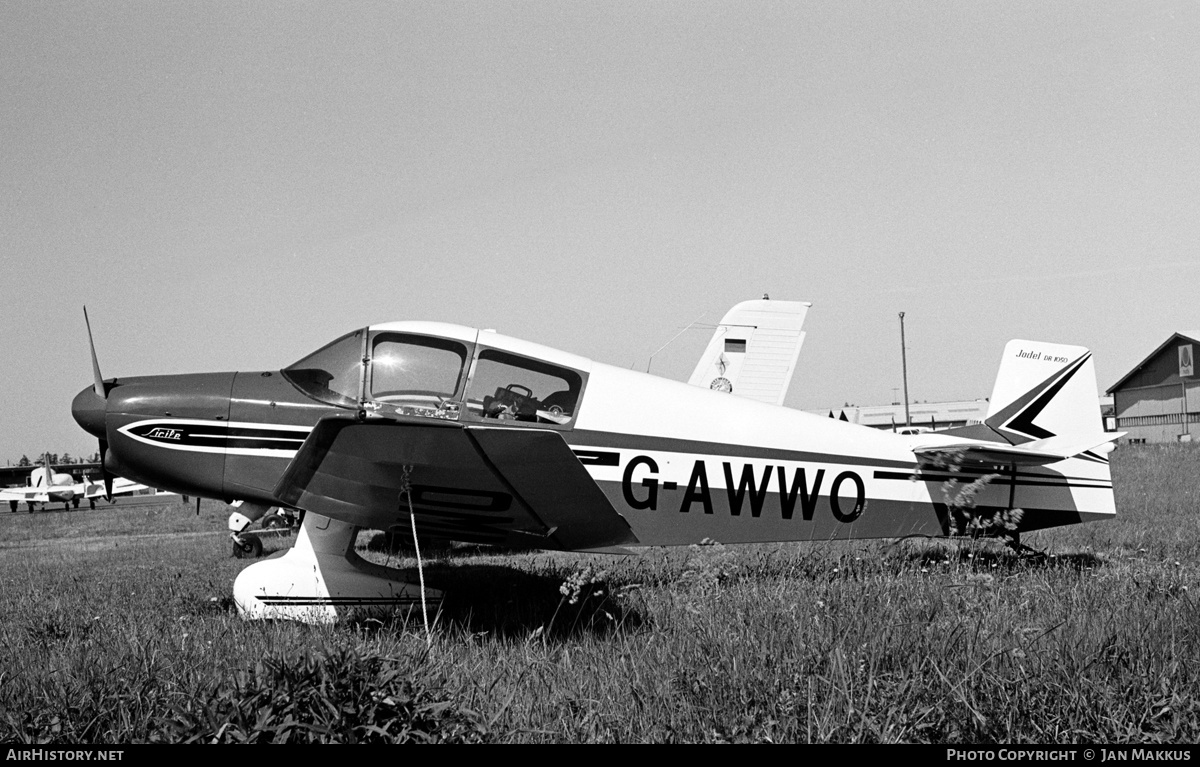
(390, 372)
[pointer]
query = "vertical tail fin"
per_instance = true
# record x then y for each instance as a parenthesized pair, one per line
(754, 350)
(42, 476)
(1044, 406)
(1043, 441)
(1045, 392)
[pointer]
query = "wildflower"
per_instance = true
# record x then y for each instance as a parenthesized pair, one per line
(573, 587)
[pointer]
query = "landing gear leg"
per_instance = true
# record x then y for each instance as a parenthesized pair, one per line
(321, 579)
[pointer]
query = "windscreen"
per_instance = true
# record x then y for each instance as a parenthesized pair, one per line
(332, 374)
(415, 370)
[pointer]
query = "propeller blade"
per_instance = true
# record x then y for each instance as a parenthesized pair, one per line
(97, 379)
(104, 473)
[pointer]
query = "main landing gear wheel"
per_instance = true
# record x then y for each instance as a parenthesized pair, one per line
(249, 547)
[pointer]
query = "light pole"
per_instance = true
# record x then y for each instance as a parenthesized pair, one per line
(904, 371)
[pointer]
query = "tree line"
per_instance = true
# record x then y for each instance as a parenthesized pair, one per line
(57, 459)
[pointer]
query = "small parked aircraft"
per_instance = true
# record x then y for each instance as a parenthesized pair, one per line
(486, 438)
(43, 486)
(46, 486)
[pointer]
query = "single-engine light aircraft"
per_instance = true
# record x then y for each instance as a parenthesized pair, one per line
(492, 439)
(45, 486)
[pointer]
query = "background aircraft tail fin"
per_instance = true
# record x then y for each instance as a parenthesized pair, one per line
(1045, 395)
(754, 349)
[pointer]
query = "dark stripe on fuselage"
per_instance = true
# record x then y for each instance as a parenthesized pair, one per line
(258, 444)
(598, 458)
(997, 478)
(288, 432)
(642, 443)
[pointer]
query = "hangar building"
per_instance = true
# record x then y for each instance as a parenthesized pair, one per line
(1159, 400)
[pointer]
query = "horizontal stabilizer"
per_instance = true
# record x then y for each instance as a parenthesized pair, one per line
(1043, 409)
(1038, 453)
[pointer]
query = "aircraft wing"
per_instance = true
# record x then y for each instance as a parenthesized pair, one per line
(517, 486)
(120, 486)
(23, 495)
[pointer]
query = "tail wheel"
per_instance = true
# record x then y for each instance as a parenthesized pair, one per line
(274, 522)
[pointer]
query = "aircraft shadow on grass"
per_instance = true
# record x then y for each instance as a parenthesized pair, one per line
(497, 602)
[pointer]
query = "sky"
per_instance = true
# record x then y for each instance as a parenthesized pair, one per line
(230, 185)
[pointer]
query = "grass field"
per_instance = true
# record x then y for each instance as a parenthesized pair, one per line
(117, 626)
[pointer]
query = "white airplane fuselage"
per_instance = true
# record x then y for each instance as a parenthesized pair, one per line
(679, 463)
(695, 464)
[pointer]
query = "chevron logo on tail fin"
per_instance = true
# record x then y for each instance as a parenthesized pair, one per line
(1045, 391)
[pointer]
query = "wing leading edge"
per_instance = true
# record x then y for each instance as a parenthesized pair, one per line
(515, 486)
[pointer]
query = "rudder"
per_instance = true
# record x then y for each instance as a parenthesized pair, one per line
(1045, 392)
